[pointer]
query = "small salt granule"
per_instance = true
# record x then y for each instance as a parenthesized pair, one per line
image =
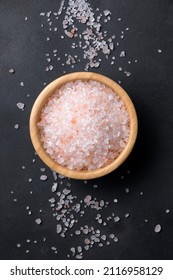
(157, 228)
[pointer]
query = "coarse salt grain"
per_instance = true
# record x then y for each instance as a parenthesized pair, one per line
(157, 228)
(81, 142)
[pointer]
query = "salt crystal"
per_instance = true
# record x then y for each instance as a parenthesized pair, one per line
(22, 84)
(66, 191)
(122, 54)
(52, 200)
(54, 187)
(20, 105)
(19, 245)
(115, 239)
(16, 126)
(58, 228)
(11, 71)
(116, 219)
(127, 215)
(79, 257)
(159, 51)
(42, 169)
(167, 211)
(87, 198)
(43, 177)
(38, 221)
(157, 228)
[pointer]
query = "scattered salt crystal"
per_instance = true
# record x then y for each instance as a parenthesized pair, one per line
(20, 105)
(42, 169)
(66, 191)
(38, 221)
(87, 198)
(116, 219)
(52, 200)
(122, 54)
(79, 257)
(16, 126)
(30, 180)
(167, 211)
(102, 203)
(54, 187)
(43, 177)
(116, 200)
(106, 12)
(26, 18)
(22, 84)
(115, 239)
(159, 51)
(127, 190)
(157, 228)
(11, 71)
(58, 228)
(18, 245)
(127, 215)
(86, 241)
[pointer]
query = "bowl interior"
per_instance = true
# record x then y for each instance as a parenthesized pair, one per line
(42, 100)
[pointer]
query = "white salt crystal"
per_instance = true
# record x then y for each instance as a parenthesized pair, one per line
(20, 105)
(54, 187)
(43, 177)
(38, 221)
(22, 84)
(16, 126)
(116, 219)
(106, 12)
(122, 54)
(11, 71)
(58, 228)
(157, 228)
(159, 51)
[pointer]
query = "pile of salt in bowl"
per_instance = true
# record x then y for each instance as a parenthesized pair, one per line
(84, 125)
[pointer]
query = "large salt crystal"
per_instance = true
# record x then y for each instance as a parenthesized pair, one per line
(84, 125)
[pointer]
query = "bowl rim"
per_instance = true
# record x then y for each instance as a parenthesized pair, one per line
(41, 101)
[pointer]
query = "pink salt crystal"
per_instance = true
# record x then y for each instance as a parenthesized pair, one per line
(84, 125)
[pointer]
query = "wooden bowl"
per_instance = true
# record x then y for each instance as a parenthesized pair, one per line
(42, 100)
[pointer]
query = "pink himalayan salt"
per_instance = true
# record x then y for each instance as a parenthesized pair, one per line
(84, 125)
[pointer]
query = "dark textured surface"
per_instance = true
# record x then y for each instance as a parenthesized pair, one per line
(22, 47)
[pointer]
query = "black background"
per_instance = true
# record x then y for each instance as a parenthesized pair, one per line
(22, 47)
